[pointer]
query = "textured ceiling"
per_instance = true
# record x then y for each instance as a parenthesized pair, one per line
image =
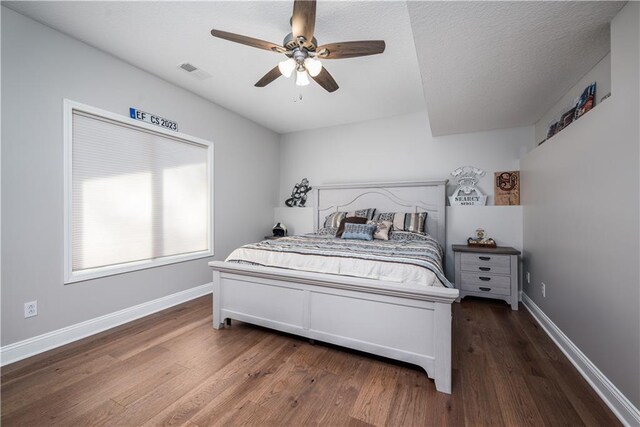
(492, 65)
(156, 36)
(479, 65)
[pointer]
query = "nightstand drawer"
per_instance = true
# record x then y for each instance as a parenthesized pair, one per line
(486, 269)
(487, 272)
(486, 259)
(486, 289)
(482, 279)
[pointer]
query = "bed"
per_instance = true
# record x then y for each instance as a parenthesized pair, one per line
(403, 319)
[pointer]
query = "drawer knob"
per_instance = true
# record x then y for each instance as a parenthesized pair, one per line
(485, 268)
(485, 258)
(484, 279)
(485, 289)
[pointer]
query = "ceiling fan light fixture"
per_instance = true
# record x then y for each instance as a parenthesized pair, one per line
(302, 50)
(301, 78)
(287, 66)
(313, 66)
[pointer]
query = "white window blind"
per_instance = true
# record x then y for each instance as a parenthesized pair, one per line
(138, 197)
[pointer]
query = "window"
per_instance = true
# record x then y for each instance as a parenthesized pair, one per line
(136, 196)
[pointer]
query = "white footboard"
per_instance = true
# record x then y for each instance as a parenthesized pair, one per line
(411, 324)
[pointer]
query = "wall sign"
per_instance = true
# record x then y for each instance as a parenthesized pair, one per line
(152, 118)
(467, 194)
(507, 188)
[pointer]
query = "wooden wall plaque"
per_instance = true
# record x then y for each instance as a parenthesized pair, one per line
(507, 191)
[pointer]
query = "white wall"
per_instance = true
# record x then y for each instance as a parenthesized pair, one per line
(503, 223)
(402, 148)
(600, 73)
(581, 201)
(40, 67)
(297, 220)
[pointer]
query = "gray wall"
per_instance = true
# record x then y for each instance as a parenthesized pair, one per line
(402, 148)
(581, 210)
(40, 67)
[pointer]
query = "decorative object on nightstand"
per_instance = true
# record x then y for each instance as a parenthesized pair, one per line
(467, 194)
(279, 230)
(481, 240)
(487, 272)
(299, 194)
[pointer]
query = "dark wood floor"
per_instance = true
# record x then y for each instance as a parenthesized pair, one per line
(173, 368)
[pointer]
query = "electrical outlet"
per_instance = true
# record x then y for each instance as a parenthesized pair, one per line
(30, 309)
(528, 277)
(544, 289)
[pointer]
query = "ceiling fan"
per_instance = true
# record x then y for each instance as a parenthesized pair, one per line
(302, 50)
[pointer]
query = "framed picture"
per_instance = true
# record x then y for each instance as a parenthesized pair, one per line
(553, 129)
(586, 101)
(507, 188)
(567, 117)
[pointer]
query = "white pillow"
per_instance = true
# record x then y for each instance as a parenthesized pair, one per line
(382, 229)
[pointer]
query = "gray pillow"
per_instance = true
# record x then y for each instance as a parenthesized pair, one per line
(358, 231)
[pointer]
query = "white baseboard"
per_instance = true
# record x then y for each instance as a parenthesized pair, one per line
(626, 412)
(32, 346)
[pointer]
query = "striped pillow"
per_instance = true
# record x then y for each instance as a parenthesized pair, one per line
(336, 218)
(413, 222)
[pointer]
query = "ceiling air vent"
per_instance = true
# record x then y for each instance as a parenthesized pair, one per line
(188, 67)
(194, 71)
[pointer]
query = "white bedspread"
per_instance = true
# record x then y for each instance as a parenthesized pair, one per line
(413, 262)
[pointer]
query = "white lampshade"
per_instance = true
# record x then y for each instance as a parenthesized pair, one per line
(313, 66)
(287, 66)
(302, 79)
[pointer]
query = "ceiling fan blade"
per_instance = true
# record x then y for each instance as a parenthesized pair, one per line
(326, 80)
(248, 41)
(351, 49)
(303, 21)
(269, 77)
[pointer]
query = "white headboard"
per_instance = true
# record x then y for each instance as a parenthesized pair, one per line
(405, 196)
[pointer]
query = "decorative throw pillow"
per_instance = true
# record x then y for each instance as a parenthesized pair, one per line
(334, 219)
(350, 220)
(413, 222)
(327, 231)
(382, 229)
(407, 235)
(364, 213)
(358, 231)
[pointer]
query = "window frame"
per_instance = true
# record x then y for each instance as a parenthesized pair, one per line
(70, 276)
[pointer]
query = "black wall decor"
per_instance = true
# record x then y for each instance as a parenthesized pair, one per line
(299, 194)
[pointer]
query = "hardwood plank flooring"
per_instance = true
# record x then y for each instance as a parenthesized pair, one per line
(173, 368)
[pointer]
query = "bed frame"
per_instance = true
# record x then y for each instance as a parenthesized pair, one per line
(402, 322)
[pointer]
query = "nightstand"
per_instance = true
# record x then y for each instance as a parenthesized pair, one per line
(487, 272)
